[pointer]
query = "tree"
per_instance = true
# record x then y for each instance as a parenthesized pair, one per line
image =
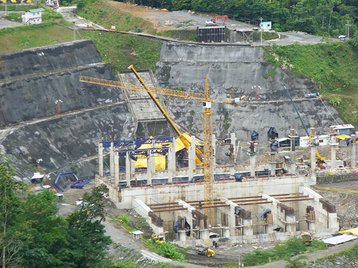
(9, 208)
(42, 232)
(86, 234)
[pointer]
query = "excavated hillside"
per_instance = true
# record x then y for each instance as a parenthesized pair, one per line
(51, 121)
(237, 71)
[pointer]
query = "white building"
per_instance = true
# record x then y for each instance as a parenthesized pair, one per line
(52, 3)
(266, 26)
(33, 16)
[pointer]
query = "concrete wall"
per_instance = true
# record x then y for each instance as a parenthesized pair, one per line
(194, 192)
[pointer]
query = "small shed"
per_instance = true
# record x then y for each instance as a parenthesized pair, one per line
(137, 234)
(37, 177)
(266, 26)
(33, 16)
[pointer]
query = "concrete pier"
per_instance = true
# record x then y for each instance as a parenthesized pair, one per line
(192, 158)
(128, 169)
(100, 160)
(111, 159)
(354, 152)
(116, 169)
(333, 156)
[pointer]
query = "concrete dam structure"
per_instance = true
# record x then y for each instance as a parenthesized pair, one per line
(51, 122)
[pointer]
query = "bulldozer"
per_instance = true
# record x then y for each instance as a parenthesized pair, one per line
(208, 252)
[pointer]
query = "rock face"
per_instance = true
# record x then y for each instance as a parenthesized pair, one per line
(236, 71)
(48, 116)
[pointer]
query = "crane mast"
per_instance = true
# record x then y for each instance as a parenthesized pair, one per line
(208, 153)
(207, 157)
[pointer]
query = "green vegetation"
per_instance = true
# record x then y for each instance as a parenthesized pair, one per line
(17, 7)
(351, 254)
(265, 36)
(16, 16)
(124, 220)
(324, 17)
(103, 13)
(12, 39)
(284, 251)
(53, 30)
(166, 249)
(330, 66)
(121, 50)
(33, 235)
(189, 35)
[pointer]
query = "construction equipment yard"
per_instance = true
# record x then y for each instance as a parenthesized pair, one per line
(215, 145)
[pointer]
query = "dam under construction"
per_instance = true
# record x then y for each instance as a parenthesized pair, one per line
(266, 151)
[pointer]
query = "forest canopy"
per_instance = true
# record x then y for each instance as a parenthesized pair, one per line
(323, 17)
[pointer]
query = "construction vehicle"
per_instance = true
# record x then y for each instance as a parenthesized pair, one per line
(208, 252)
(222, 18)
(204, 160)
(158, 239)
(306, 238)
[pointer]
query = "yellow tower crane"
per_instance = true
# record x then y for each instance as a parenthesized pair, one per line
(207, 159)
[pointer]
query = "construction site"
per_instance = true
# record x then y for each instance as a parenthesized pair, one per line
(207, 145)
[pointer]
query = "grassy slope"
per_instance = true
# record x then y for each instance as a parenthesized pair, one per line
(102, 13)
(333, 67)
(52, 31)
(28, 37)
(121, 50)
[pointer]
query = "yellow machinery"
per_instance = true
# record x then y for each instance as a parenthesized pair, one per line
(306, 238)
(207, 158)
(209, 252)
(159, 239)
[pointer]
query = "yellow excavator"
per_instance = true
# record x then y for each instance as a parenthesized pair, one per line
(208, 252)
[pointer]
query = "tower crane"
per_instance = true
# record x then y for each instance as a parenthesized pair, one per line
(207, 158)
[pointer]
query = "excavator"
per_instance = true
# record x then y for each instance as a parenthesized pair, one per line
(208, 252)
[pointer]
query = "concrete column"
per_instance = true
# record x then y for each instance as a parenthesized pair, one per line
(116, 169)
(231, 215)
(233, 143)
(226, 232)
(354, 152)
(128, 169)
(111, 159)
(150, 169)
(248, 230)
(268, 228)
(214, 151)
(291, 224)
(333, 225)
(182, 235)
(273, 168)
(204, 234)
(100, 159)
(132, 166)
(312, 227)
(313, 159)
(171, 161)
(252, 165)
(333, 156)
(191, 159)
(293, 167)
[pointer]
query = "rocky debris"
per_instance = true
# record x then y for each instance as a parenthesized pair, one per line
(340, 261)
